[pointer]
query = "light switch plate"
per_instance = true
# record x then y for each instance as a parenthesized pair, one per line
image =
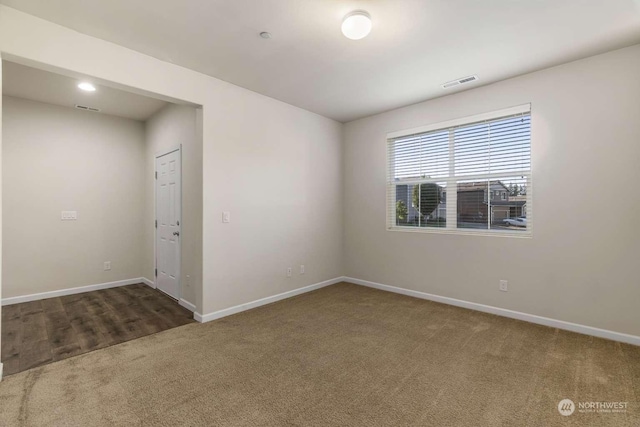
(69, 215)
(226, 217)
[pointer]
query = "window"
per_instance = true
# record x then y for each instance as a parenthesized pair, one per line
(470, 175)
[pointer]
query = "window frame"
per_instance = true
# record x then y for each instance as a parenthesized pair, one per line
(452, 180)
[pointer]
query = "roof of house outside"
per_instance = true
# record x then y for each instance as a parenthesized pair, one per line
(479, 185)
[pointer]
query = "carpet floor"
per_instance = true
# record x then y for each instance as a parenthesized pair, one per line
(343, 355)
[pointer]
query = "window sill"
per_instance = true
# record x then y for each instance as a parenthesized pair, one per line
(462, 231)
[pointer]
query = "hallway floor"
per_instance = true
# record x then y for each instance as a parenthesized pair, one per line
(40, 332)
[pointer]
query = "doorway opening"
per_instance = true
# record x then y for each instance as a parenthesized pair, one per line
(80, 204)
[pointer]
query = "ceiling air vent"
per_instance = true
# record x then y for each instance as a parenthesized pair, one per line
(461, 81)
(84, 107)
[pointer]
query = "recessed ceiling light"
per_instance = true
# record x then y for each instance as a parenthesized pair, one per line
(356, 25)
(87, 87)
(265, 35)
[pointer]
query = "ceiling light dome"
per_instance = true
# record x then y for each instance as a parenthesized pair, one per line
(87, 87)
(356, 25)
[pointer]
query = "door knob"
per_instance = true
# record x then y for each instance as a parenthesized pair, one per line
(176, 233)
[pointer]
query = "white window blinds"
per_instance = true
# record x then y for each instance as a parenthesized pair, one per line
(471, 175)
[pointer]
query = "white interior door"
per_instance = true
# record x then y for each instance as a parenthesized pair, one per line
(168, 218)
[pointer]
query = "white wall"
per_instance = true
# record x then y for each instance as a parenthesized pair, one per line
(275, 167)
(169, 127)
(279, 173)
(580, 266)
(57, 158)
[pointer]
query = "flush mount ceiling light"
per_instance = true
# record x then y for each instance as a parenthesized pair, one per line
(356, 25)
(87, 87)
(265, 35)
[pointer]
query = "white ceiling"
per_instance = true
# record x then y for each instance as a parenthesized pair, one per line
(414, 47)
(43, 86)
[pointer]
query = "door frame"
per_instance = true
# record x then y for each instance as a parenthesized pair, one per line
(157, 155)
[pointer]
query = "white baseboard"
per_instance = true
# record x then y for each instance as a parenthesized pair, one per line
(70, 291)
(257, 303)
(532, 318)
(148, 282)
(186, 304)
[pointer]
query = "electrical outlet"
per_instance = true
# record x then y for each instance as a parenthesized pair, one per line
(301, 268)
(289, 272)
(226, 217)
(107, 265)
(504, 285)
